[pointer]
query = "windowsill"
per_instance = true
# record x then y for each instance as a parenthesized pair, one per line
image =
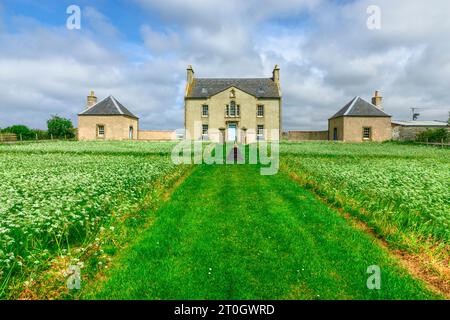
(205, 116)
(232, 116)
(260, 116)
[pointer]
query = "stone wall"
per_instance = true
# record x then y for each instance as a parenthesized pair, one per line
(307, 135)
(157, 135)
(403, 133)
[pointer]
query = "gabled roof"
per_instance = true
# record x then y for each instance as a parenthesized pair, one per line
(420, 123)
(359, 107)
(258, 87)
(108, 107)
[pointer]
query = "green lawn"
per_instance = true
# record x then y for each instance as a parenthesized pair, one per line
(230, 233)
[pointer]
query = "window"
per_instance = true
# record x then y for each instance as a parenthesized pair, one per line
(232, 109)
(260, 90)
(101, 131)
(232, 94)
(227, 111)
(367, 133)
(260, 132)
(238, 110)
(205, 129)
(205, 111)
(204, 90)
(260, 112)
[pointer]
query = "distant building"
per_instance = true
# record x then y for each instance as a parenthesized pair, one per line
(233, 110)
(408, 130)
(107, 120)
(360, 121)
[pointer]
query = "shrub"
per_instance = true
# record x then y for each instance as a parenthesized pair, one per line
(434, 135)
(21, 131)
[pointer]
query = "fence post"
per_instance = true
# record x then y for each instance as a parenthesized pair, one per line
(51, 136)
(37, 137)
(442, 143)
(20, 137)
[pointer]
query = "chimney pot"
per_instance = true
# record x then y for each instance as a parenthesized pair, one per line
(377, 100)
(91, 99)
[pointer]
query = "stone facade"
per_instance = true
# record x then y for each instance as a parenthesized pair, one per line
(350, 129)
(116, 128)
(242, 127)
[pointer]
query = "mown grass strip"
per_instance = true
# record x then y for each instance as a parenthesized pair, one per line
(230, 233)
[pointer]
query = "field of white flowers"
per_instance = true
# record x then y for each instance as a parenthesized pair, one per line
(404, 190)
(57, 196)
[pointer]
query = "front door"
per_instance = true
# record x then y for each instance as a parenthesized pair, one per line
(335, 134)
(131, 133)
(232, 132)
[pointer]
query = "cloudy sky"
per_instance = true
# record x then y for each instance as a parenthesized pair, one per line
(138, 51)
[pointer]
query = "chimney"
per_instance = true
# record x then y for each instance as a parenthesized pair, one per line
(276, 74)
(91, 100)
(377, 100)
(190, 75)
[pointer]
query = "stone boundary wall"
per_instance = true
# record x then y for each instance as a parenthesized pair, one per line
(157, 135)
(307, 135)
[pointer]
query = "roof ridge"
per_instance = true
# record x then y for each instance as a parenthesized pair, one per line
(352, 105)
(115, 104)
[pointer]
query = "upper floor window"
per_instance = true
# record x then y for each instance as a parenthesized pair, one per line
(260, 111)
(205, 110)
(204, 90)
(232, 109)
(367, 133)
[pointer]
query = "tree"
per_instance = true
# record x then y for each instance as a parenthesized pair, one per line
(21, 131)
(60, 127)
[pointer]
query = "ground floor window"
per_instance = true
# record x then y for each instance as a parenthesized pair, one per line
(101, 131)
(367, 133)
(205, 132)
(260, 132)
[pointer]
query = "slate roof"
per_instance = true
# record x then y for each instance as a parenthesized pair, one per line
(258, 87)
(420, 123)
(359, 107)
(108, 107)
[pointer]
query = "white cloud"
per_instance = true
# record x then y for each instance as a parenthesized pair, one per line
(326, 53)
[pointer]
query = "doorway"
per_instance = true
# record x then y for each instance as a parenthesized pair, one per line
(232, 132)
(131, 133)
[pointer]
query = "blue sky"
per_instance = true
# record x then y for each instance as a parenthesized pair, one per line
(138, 51)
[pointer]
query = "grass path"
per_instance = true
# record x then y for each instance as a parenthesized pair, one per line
(230, 233)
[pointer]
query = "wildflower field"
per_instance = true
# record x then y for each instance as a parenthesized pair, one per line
(57, 199)
(401, 191)
(122, 212)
